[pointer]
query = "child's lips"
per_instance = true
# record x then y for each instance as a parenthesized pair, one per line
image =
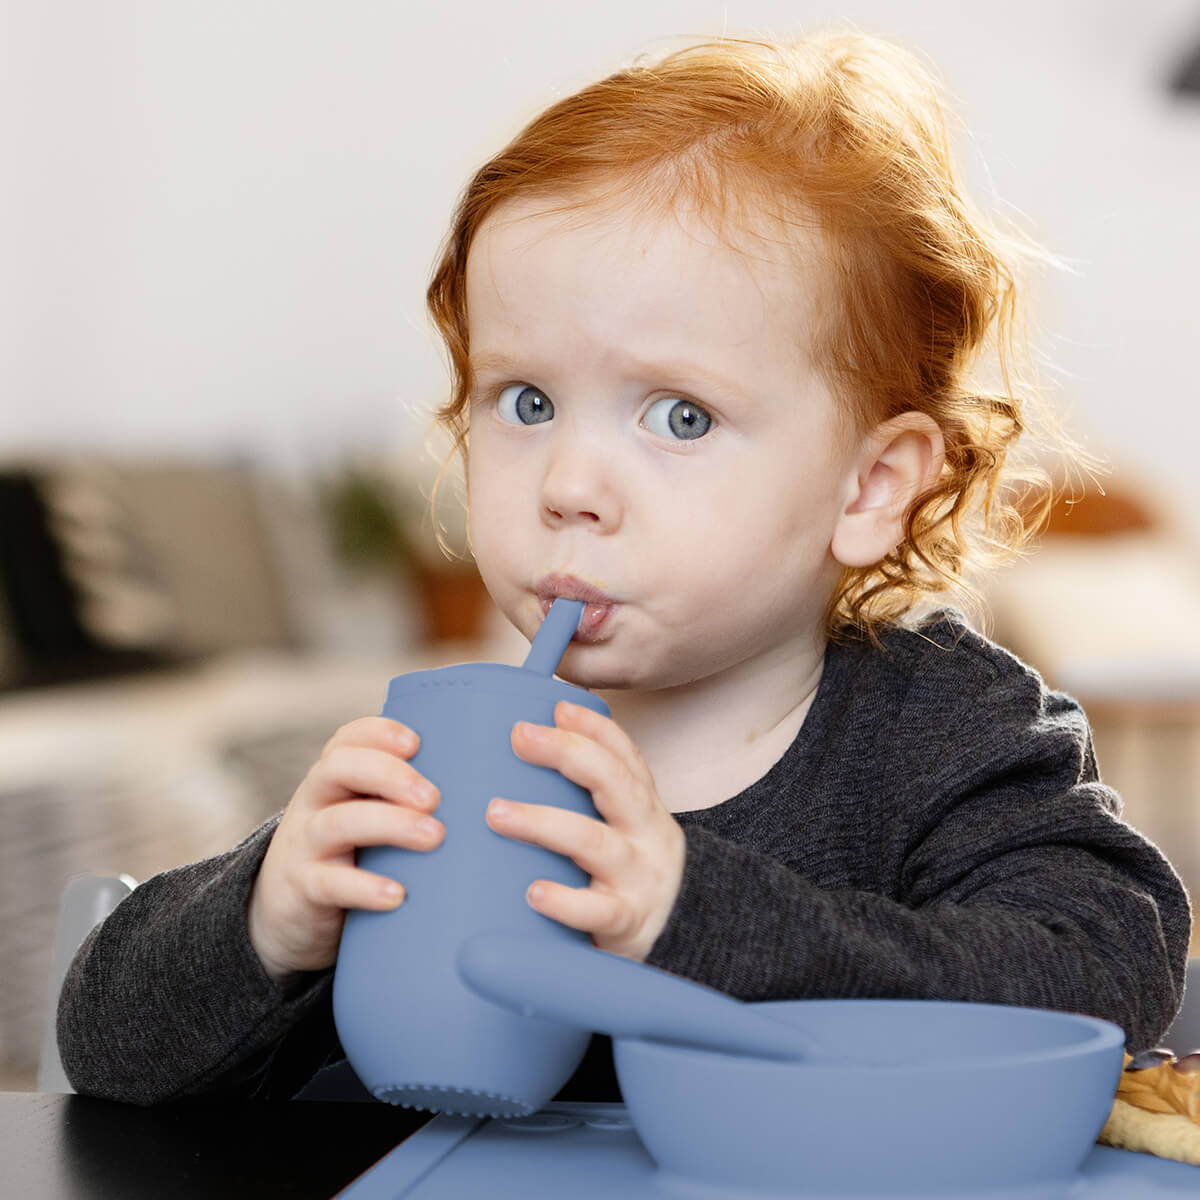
(591, 624)
(598, 607)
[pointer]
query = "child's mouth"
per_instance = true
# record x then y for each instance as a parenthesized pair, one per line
(598, 608)
(594, 618)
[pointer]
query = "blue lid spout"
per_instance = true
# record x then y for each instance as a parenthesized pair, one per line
(552, 639)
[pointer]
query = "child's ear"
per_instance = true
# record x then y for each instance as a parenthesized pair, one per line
(897, 461)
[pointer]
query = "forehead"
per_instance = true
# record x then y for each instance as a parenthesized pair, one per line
(677, 270)
(762, 241)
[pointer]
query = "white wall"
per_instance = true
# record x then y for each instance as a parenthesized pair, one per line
(219, 215)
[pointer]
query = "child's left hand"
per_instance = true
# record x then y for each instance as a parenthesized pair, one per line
(634, 855)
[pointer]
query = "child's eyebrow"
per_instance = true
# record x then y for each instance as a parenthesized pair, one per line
(491, 362)
(690, 376)
(695, 376)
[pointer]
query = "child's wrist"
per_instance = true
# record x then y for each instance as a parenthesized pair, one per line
(291, 983)
(283, 977)
(288, 981)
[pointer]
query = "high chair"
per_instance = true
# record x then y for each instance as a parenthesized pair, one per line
(1184, 1034)
(86, 901)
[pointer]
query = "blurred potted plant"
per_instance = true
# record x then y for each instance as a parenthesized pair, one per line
(379, 522)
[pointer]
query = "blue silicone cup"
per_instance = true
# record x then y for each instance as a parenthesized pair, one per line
(413, 1032)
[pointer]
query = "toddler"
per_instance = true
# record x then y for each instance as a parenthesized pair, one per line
(713, 325)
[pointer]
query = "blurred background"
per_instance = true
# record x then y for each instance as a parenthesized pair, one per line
(216, 376)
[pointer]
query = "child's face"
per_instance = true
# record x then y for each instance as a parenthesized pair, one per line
(646, 432)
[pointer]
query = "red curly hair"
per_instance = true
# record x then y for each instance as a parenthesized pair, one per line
(849, 131)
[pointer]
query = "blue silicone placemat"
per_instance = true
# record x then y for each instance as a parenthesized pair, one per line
(590, 1152)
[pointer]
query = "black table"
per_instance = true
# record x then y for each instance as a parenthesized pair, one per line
(56, 1147)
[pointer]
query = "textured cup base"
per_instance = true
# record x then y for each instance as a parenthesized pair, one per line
(462, 1102)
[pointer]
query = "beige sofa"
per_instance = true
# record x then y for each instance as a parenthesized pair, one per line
(224, 645)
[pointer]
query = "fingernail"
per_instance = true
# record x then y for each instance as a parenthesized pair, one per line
(428, 793)
(498, 808)
(393, 893)
(429, 826)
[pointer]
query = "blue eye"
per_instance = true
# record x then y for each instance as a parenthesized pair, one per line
(682, 420)
(521, 404)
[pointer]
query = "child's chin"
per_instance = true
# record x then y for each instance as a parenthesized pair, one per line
(582, 666)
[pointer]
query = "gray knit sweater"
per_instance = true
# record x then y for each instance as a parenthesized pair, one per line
(937, 829)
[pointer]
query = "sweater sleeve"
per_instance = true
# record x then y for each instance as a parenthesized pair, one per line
(992, 867)
(166, 999)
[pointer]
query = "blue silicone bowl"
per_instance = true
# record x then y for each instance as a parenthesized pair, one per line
(933, 1099)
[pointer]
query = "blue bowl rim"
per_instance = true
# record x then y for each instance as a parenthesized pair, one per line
(1105, 1036)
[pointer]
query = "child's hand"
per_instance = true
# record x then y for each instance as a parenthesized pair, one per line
(634, 855)
(361, 792)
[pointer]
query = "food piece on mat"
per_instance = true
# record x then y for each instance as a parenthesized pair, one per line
(1159, 1082)
(1157, 1108)
(1167, 1135)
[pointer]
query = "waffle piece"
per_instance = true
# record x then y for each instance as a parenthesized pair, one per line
(1172, 1085)
(1165, 1135)
(1157, 1107)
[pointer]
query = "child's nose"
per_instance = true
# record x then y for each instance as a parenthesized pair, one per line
(577, 489)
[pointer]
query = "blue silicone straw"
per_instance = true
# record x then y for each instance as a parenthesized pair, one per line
(551, 640)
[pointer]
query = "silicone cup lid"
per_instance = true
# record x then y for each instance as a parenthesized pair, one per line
(534, 678)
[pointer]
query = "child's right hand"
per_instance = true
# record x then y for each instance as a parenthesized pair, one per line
(361, 792)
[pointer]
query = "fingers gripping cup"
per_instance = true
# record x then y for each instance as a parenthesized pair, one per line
(412, 1030)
